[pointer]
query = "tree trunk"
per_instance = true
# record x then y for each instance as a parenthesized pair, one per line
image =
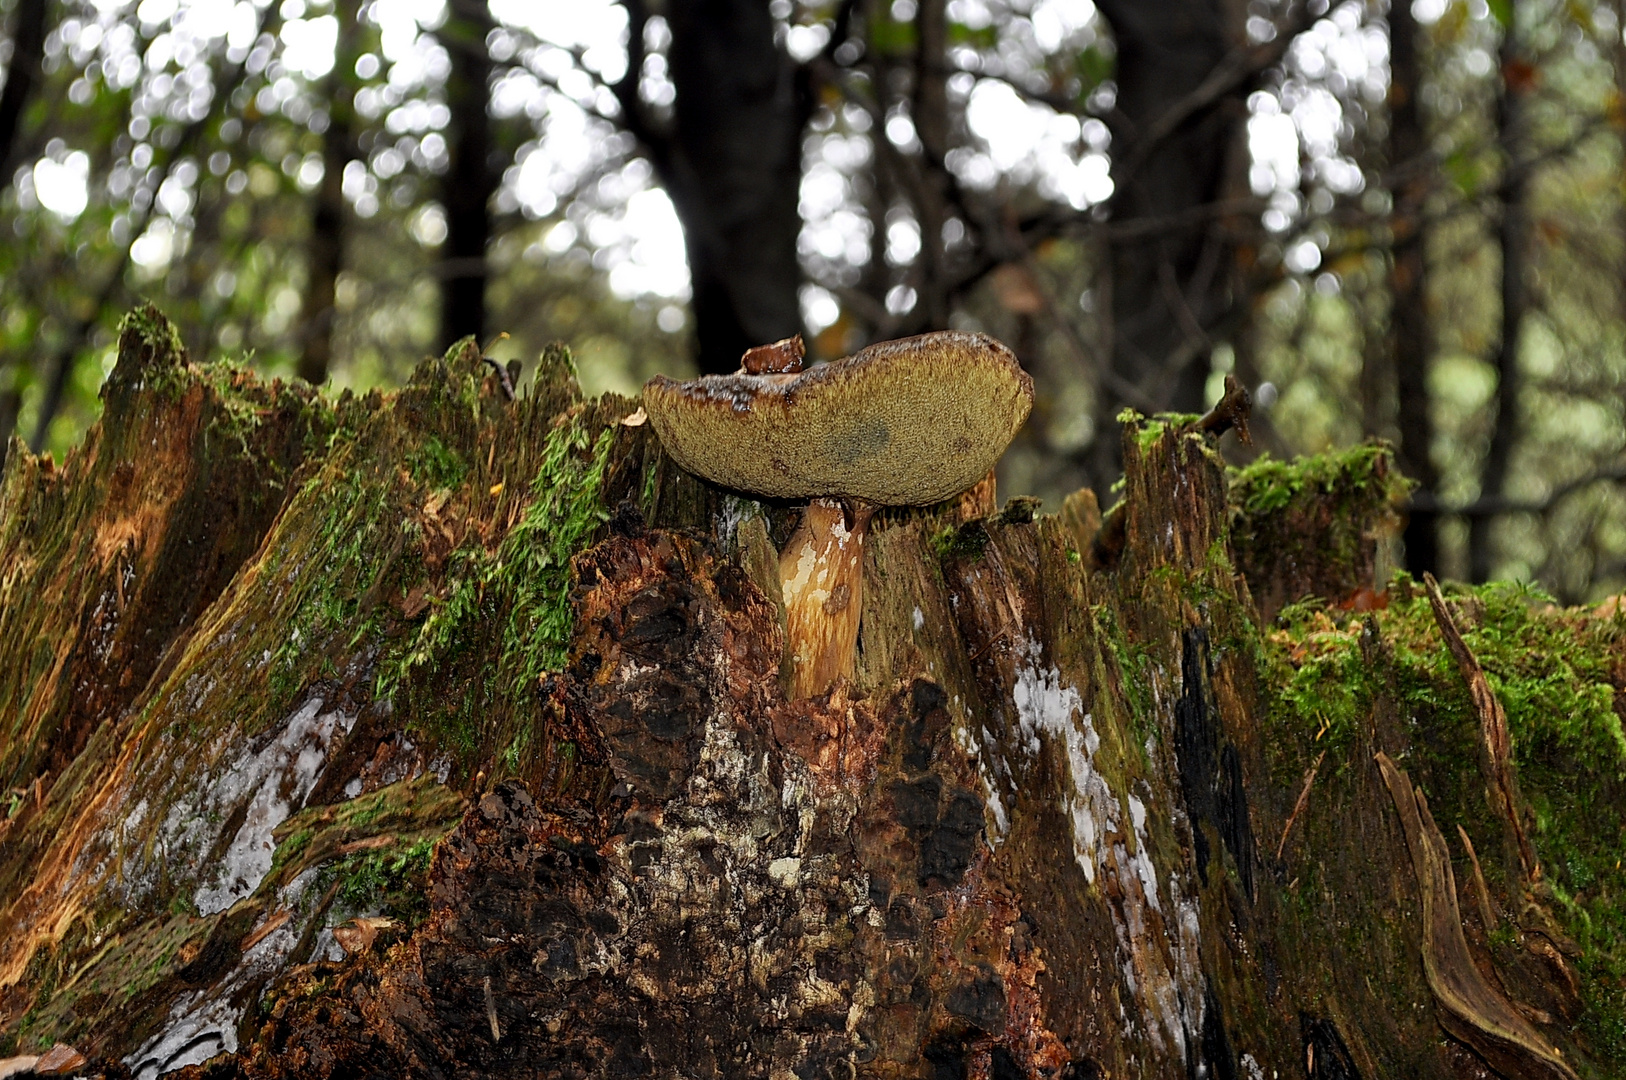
(470, 181)
(23, 76)
(1514, 233)
(1169, 292)
(437, 734)
(325, 249)
(733, 167)
(1411, 340)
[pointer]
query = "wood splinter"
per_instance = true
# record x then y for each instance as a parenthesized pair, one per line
(1231, 411)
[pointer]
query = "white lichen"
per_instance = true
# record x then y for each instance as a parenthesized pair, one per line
(274, 781)
(1158, 961)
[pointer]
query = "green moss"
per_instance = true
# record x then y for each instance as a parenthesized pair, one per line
(1134, 666)
(356, 531)
(521, 588)
(155, 331)
(1557, 674)
(1149, 429)
(1365, 471)
(1322, 685)
(392, 882)
(964, 543)
(435, 465)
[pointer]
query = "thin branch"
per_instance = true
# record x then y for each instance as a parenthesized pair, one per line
(1298, 806)
(1495, 506)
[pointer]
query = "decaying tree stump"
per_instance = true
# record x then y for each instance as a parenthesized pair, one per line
(437, 734)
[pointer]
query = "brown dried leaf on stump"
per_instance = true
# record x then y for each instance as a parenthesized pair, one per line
(60, 1060)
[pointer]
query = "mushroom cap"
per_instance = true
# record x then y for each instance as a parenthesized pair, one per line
(901, 423)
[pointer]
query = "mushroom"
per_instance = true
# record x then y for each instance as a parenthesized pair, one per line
(901, 423)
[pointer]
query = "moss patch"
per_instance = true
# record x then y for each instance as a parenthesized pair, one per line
(1315, 526)
(504, 616)
(1561, 678)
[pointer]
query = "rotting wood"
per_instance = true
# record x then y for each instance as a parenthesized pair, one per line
(533, 671)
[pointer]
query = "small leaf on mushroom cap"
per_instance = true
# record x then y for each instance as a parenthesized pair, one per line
(901, 423)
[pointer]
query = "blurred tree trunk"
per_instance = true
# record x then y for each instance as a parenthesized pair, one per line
(732, 163)
(23, 74)
(1169, 290)
(469, 181)
(1518, 78)
(441, 734)
(326, 248)
(931, 119)
(1411, 340)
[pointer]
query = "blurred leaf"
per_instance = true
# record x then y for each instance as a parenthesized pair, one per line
(982, 37)
(1449, 27)
(1615, 110)
(1501, 11)
(1581, 15)
(892, 38)
(1094, 66)
(1464, 170)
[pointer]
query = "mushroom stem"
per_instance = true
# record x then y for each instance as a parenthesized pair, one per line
(821, 570)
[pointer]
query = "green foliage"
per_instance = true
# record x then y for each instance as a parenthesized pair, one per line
(1094, 66)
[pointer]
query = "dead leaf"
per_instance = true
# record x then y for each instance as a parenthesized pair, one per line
(358, 935)
(413, 603)
(637, 419)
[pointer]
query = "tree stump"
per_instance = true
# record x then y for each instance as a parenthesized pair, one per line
(438, 734)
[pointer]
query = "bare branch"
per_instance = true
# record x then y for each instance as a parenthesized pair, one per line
(1495, 506)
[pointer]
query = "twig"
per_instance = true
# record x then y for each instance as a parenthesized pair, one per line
(1231, 411)
(1487, 914)
(491, 1012)
(1495, 741)
(1298, 807)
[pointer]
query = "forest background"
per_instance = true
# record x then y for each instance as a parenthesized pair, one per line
(1406, 223)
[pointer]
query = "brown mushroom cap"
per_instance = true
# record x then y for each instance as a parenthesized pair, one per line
(901, 423)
